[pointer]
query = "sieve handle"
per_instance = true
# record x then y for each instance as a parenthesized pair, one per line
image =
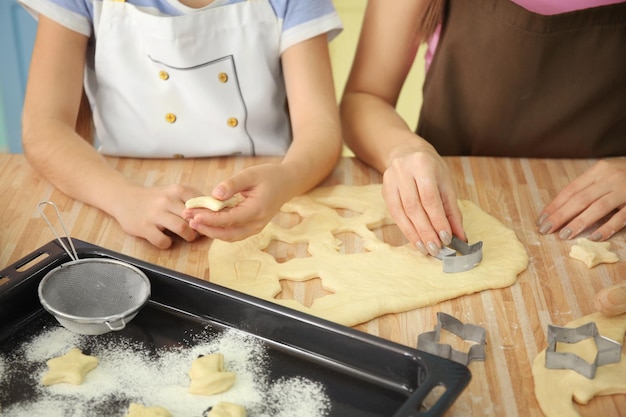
(115, 328)
(73, 253)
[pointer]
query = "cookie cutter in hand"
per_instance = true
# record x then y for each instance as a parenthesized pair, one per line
(459, 256)
(609, 351)
(429, 341)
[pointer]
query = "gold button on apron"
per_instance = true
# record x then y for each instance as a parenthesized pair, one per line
(178, 156)
(170, 117)
(223, 77)
(232, 122)
(164, 75)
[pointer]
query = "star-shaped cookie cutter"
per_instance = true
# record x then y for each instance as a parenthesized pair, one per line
(609, 351)
(429, 341)
(459, 256)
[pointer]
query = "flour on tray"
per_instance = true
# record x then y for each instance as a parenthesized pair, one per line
(129, 373)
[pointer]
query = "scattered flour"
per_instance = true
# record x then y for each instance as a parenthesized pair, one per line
(127, 372)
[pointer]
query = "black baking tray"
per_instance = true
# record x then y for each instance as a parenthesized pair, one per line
(363, 375)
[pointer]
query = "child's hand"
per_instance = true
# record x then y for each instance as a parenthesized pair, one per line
(265, 190)
(154, 213)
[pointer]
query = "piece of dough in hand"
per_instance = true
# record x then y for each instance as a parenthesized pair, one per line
(208, 376)
(138, 410)
(224, 409)
(213, 203)
(70, 368)
(593, 253)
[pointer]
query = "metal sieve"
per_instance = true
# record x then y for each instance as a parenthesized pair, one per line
(94, 295)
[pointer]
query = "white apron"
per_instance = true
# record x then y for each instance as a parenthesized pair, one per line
(203, 84)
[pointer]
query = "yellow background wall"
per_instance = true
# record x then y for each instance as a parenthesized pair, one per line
(342, 50)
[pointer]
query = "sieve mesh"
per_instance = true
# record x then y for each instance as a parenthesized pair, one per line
(95, 288)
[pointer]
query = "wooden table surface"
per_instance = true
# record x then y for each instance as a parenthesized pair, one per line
(555, 288)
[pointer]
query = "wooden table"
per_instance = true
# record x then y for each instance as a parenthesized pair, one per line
(555, 289)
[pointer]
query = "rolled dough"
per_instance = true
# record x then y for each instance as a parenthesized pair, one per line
(555, 388)
(382, 278)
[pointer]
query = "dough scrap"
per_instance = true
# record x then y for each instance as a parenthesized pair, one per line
(213, 203)
(383, 279)
(139, 410)
(208, 376)
(225, 409)
(593, 253)
(70, 368)
(555, 388)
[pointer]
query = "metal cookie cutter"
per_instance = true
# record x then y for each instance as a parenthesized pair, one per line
(458, 256)
(429, 341)
(609, 351)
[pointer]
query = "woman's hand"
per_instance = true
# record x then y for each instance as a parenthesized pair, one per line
(261, 185)
(598, 195)
(421, 198)
(153, 213)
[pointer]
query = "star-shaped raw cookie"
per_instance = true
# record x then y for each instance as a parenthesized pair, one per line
(593, 253)
(225, 409)
(139, 410)
(208, 376)
(70, 368)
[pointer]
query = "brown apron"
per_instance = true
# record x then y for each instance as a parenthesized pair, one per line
(508, 82)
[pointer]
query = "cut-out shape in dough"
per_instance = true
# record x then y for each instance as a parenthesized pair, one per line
(208, 376)
(70, 368)
(139, 410)
(282, 251)
(593, 253)
(556, 388)
(225, 409)
(350, 242)
(286, 220)
(391, 234)
(292, 291)
(213, 203)
(380, 280)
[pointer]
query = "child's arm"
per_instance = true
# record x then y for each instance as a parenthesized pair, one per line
(69, 162)
(314, 114)
(313, 154)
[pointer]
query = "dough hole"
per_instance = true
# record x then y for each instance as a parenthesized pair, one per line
(294, 290)
(350, 243)
(346, 214)
(287, 220)
(390, 234)
(283, 251)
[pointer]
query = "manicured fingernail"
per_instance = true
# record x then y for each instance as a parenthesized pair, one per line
(420, 247)
(541, 219)
(433, 249)
(596, 237)
(545, 228)
(445, 237)
(565, 233)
